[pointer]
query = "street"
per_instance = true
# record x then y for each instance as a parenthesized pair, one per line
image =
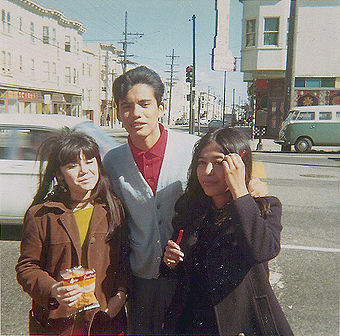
(304, 275)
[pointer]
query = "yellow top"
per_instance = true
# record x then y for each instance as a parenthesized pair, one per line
(83, 219)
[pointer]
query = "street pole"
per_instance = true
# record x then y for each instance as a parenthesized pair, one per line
(233, 121)
(192, 84)
(171, 82)
(125, 44)
(224, 95)
(290, 62)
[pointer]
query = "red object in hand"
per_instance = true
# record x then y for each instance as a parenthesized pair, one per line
(180, 236)
(242, 153)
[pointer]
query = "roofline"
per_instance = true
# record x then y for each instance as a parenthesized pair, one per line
(57, 14)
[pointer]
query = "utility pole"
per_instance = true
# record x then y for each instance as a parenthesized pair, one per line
(290, 62)
(193, 83)
(224, 96)
(107, 85)
(234, 117)
(172, 79)
(125, 43)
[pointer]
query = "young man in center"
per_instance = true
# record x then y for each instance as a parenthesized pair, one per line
(149, 174)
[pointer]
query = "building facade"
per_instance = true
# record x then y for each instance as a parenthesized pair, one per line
(100, 67)
(316, 74)
(41, 53)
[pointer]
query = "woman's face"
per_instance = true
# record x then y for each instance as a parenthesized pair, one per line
(81, 177)
(211, 173)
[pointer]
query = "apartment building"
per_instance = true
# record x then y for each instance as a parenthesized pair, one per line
(315, 60)
(40, 58)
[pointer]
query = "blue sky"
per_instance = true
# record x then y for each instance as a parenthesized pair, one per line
(166, 26)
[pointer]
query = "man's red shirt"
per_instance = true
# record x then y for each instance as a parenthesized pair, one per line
(150, 161)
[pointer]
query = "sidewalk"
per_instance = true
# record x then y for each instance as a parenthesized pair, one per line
(268, 145)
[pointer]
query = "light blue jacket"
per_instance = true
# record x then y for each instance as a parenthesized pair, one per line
(149, 216)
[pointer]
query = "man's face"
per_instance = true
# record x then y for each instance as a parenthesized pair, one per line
(139, 112)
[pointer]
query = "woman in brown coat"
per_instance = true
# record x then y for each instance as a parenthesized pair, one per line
(228, 237)
(74, 220)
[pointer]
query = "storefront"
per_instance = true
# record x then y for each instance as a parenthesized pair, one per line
(39, 102)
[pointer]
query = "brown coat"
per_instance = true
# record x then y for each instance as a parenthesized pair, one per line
(50, 243)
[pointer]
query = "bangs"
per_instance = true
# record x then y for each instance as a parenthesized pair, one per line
(70, 153)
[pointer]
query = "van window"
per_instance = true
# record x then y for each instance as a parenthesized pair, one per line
(325, 116)
(306, 116)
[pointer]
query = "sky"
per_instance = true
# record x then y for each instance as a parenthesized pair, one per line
(166, 26)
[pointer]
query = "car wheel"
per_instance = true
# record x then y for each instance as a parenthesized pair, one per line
(285, 148)
(303, 145)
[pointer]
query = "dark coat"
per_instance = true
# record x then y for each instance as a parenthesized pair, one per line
(50, 243)
(237, 269)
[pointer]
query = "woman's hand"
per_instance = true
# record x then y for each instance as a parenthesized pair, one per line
(68, 295)
(234, 171)
(173, 254)
(116, 303)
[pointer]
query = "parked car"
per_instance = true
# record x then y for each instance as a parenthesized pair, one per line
(20, 137)
(308, 126)
(181, 121)
(214, 123)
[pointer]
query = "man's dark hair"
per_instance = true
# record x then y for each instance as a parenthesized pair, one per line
(139, 75)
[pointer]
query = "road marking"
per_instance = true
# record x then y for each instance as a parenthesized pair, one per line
(311, 248)
(258, 170)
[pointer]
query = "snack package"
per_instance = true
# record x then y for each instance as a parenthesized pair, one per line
(86, 279)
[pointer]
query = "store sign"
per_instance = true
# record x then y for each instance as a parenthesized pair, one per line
(24, 95)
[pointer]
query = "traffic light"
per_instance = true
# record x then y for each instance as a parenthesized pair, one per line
(234, 68)
(188, 74)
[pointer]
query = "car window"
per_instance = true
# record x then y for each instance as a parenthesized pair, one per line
(306, 116)
(325, 116)
(20, 144)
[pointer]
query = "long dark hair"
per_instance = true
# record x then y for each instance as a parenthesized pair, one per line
(62, 148)
(229, 140)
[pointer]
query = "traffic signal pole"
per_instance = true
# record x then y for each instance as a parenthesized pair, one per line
(192, 83)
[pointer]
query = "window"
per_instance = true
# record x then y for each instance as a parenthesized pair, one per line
(3, 19)
(312, 83)
(89, 95)
(46, 70)
(20, 63)
(46, 35)
(54, 71)
(20, 23)
(337, 115)
(9, 61)
(54, 36)
(271, 31)
(325, 116)
(8, 22)
(67, 75)
(74, 76)
(327, 82)
(83, 69)
(67, 43)
(89, 70)
(306, 116)
(250, 33)
(299, 82)
(32, 31)
(3, 60)
(32, 66)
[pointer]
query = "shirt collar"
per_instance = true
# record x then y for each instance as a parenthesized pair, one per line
(157, 149)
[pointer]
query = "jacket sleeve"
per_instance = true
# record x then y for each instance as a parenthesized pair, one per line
(124, 271)
(30, 269)
(258, 236)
